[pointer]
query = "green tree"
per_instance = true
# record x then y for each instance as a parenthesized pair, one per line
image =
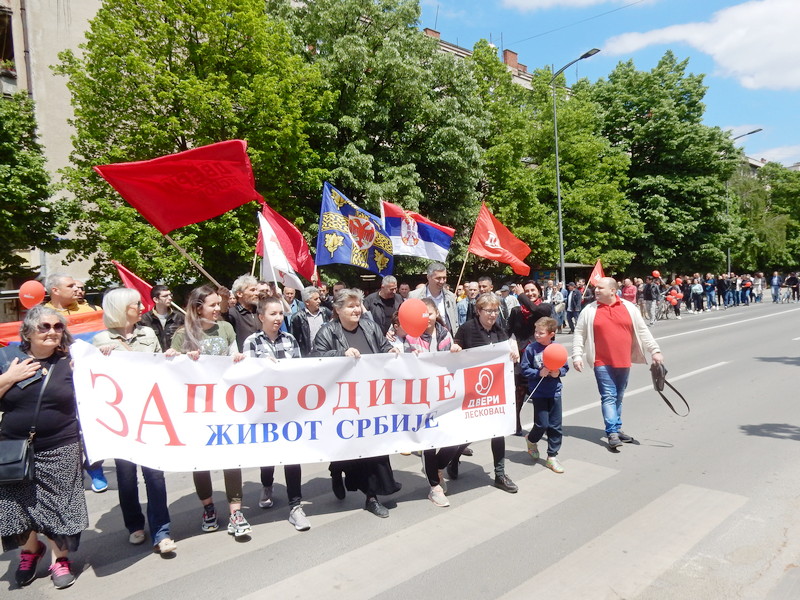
(405, 123)
(26, 218)
(782, 210)
(156, 77)
(678, 166)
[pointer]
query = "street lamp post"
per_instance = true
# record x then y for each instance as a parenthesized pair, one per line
(728, 200)
(591, 52)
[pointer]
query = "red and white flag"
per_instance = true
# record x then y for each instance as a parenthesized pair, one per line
(491, 239)
(188, 187)
(597, 273)
(275, 266)
(290, 239)
(136, 283)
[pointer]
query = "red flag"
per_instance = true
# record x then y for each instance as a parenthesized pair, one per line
(135, 283)
(292, 242)
(192, 186)
(491, 239)
(597, 273)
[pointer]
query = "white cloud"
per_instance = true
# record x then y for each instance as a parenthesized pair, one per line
(531, 5)
(756, 42)
(786, 155)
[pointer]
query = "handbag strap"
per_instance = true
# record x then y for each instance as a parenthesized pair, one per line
(39, 401)
(668, 403)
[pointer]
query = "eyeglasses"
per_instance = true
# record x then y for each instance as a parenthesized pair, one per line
(45, 327)
(491, 311)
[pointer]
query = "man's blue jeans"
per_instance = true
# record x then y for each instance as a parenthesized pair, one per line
(157, 510)
(611, 383)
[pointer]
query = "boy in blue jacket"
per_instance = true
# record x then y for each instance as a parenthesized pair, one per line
(545, 387)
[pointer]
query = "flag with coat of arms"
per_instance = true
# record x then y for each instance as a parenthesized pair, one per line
(414, 235)
(350, 235)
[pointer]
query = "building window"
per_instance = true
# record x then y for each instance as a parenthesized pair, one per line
(7, 65)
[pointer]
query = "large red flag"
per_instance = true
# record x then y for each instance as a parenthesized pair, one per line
(192, 186)
(292, 242)
(135, 283)
(491, 239)
(597, 273)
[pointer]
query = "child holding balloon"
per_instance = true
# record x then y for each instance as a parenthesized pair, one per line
(543, 365)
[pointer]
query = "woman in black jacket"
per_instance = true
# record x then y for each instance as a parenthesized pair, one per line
(349, 335)
(483, 331)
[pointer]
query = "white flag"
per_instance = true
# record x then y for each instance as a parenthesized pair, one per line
(275, 266)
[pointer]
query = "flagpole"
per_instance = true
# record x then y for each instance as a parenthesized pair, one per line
(176, 307)
(253, 268)
(466, 255)
(463, 266)
(193, 261)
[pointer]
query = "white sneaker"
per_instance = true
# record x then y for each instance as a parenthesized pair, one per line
(436, 495)
(265, 501)
(297, 517)
(238, 525)
(166, 546)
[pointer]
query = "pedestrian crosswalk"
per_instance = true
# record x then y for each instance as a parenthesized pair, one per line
(350, 554)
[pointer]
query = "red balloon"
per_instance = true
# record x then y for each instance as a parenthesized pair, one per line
(671, 292)
(413, 316)
(656, 274)
(678, 281)
(31, 293)
(679, 295)
(673, 301)
(554, 357)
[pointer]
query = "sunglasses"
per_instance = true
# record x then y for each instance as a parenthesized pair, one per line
(45, 327)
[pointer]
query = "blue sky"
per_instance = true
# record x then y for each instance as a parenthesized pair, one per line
(748, 51)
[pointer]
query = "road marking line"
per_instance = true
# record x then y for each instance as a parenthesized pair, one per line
(640, 390)
(455, 530)
(628, 557)
(666, 337)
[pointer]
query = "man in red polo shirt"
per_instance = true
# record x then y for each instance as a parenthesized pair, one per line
(612, 335)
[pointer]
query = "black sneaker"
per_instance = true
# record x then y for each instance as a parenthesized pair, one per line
(376, 508)
(624, 437)
(28, 561)
(209, 518)
(452, 469)
(504, 483)
(614, 441)
(338, 485)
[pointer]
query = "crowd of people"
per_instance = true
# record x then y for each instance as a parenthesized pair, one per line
(254, 319)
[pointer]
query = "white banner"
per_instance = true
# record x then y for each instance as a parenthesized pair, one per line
(176, 414)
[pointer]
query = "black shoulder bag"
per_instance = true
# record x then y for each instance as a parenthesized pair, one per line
(659, 374)
(16, 456)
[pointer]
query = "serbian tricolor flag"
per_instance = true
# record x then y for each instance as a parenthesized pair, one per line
(136, 283)
(275, 266)
(290, 240)
(189, 187)
(491, 239)
(82, 326)
(414, 235)
(597, 273)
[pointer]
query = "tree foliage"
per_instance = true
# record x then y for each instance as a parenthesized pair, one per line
(26, 219)
(405, 123)
(678, 166)
(156, 77)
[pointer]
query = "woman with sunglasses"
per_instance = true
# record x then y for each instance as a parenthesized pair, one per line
(53, 503)
(122, 308)
(481, 332)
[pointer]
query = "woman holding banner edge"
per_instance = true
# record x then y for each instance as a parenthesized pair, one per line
(349, 335)
(204, 333)
(121, 312)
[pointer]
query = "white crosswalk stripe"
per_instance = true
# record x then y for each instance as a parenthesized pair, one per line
(624, 560)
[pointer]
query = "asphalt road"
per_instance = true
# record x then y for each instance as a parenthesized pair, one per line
(700, 507)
